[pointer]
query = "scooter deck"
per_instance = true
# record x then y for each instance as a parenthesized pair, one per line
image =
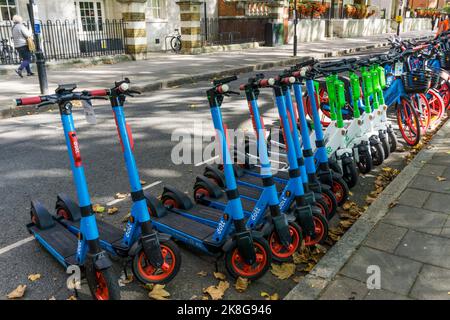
(257, 181)
(176, 221)
(107, 232)
(247, 204)
(59, 239)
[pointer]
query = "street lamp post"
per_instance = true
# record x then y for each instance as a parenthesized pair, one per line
(295, 27)
(40, 60)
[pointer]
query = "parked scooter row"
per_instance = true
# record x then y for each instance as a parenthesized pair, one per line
(248, 214)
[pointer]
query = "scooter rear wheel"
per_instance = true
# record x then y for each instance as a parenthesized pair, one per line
(330, 199)
(340, 189)
(321, 230)
(146, 273)
(279, 252)
(102, 284)
(237, 267)
(323, 206)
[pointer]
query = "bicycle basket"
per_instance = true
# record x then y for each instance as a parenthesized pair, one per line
(435, 76)
(444, 59)
(417, 81)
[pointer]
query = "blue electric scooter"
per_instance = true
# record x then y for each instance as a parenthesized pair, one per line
(284, 235)
(247, 253)
(154, 257)
(250, 182)
(68, 249)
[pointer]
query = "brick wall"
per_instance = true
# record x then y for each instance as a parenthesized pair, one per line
(229, 9)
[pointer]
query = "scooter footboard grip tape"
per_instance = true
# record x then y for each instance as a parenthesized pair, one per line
(98, 93)
(29, 101)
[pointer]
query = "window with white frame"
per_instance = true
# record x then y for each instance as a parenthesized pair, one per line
(156, 9)
(90, 15)
(8, 9)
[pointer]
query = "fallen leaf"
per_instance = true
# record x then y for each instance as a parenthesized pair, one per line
(193, 297)
(72, 298)
(241, 284)
(347, 206)
(346, 224)
(284, 271)
(205, 297)
(202, 273)
(220, 276)
(350, 193)
(309, 267)
(124, 281)
(158, 292)
(370, 200)
(113, 210)
(393, 204)
(270, 297)
(120, 195)
(17, 292)
(52, 298)
(126, 217)
(217, 292)
(34, 277)
(440, 179)
(299, 258)
(98, 208)
(143, 182)
(297, 279)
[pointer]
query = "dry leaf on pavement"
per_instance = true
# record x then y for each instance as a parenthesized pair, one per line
(120, 195)
(217, 292)
(284, 271)
(270, 297)
(158, 292)
(202, 273)
(113, 210)
(241, 284)
(440, 179)
(72, 298)
(220, 276)
(98, 208)
(34, 277)
(17, 292)
(143, 182)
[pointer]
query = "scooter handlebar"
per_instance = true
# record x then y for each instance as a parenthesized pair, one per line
(99, 93)
(28, 101)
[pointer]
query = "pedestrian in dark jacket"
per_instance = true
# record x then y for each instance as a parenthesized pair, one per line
(20, 35)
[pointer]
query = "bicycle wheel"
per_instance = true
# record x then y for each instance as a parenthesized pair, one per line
(175, 43)
(408, 122)
(444, 92)
(322, 102)
(436, 104)
(423, 109)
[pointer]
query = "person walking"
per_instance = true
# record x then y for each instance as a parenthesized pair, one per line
(444, 25)
(21, 36)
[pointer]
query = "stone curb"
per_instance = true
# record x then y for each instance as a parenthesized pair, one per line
(334, 260)
(157, 85)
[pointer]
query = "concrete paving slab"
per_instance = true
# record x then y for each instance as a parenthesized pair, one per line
(385, 237)
(343, 288)
(433, 283)
(397, 273)
(413, 197)
(426, 248)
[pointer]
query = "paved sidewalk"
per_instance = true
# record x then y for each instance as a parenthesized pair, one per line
(163, 70)
(409, 242)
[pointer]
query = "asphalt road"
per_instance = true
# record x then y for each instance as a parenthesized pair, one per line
(34, 164)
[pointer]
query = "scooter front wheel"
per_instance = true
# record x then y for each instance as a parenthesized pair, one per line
(321, 231)
(377, 152)
(280, 252)
(340, 189)
(146, 273)
(365, 163)
(237, 267)
(102, 284)
(393, 141)
(350, 173)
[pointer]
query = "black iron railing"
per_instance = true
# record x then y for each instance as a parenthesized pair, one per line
(220, 31)
(63, 40)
